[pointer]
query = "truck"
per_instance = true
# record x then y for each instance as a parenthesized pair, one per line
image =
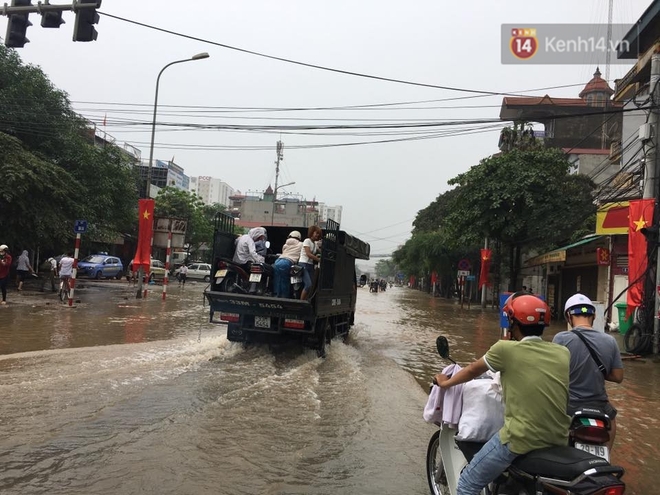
(328, 312)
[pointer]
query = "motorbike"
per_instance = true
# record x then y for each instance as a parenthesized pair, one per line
(590, 431)
(231, 277)
(565, 470)
(261, 276)
(373, 286)
(296, 276)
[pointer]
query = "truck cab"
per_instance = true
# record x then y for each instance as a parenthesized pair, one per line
(328, 312)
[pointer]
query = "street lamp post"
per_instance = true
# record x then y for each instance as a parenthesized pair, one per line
(272, 213)
(199, 56)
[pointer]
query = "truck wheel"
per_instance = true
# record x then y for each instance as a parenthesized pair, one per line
(322, 331)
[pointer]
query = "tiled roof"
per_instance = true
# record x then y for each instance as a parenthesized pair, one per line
(597, 84)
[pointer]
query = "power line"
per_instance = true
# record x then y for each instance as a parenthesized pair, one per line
(306, 64)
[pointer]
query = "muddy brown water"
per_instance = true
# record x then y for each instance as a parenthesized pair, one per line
(119, 395)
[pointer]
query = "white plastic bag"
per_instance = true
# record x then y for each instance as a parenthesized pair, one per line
(433, 408)
(483, 411)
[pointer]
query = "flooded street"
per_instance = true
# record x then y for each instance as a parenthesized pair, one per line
(123, 396)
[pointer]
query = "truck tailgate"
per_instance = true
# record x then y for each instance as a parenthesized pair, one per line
(226, 302)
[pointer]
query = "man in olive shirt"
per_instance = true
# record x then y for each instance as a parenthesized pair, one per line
(535, 377)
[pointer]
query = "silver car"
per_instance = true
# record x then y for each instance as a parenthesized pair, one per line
(198, 271)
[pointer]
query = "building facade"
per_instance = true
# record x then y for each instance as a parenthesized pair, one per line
(212, 190)
(263, 209)
(162, 174)
(329, 213)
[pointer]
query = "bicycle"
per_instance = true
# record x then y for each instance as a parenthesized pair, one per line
(65, 290)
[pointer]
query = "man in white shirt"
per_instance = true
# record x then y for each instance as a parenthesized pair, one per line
(66, 268)
(246, 251)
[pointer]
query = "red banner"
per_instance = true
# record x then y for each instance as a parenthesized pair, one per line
(640, 216)
(145, 232)
(486, 255)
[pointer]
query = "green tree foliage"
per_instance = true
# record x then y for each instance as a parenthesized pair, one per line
(58, 174)
(523, 199)
(175, 203)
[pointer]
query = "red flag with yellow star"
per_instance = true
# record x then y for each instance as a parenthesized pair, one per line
(640, 215)
(145, 232)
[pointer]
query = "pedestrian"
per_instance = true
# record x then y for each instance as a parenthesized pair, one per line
(66, 270)
(183, 274)
(595, 358)
(52, 274)
(534, 376)
(282, 268)
(308, 255)
(23, 269)
(5, 267)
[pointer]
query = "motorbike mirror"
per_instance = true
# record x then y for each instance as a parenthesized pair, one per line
(442, 345)
(267, 244)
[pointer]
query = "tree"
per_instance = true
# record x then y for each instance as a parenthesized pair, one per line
(58, 148)
(175, 203)
(386, 268)
(523, 199)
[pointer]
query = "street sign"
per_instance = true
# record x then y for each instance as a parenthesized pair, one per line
(463, 273)
(471, 278)
(464, 265)
(80, 226)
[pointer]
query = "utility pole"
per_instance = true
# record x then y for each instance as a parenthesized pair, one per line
(652, 172)
(484, 287)
(280, 155)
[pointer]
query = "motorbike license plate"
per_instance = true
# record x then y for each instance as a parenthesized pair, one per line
(262, 321)
(296, 280)
(255, 277)
(221, 274)
(597, 450)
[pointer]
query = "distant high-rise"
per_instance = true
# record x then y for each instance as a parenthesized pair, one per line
(211, 190)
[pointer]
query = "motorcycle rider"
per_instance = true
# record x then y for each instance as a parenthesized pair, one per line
(534, 377)
(246, 252)
(290, 256)
(587, 386)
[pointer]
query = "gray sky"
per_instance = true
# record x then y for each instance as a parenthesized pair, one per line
(380, 186)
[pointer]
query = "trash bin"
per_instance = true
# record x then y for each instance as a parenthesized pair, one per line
(624, 323)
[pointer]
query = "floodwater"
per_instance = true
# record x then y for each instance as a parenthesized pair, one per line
(123, 396)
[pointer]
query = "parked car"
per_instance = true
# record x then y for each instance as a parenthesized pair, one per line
(158, 269)
(197, 271)
(101, 266)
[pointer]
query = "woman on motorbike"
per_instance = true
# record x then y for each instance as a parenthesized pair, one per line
(290, 256)
(308, 255)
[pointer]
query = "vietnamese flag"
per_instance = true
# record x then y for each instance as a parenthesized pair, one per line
(145, 231)
(486, 255)
(640, 215)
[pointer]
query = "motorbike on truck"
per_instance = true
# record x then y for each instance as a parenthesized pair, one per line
(328, 311)
(554, 470)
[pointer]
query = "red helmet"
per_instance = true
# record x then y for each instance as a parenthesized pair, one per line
(525, 309)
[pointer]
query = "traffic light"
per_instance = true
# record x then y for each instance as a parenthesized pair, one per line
(17, 26)
(84, 30)
(52, 19)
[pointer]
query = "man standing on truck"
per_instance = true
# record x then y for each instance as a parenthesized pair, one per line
(246, 251)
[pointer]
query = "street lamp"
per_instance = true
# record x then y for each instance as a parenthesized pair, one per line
(199, 56)
(272, 213)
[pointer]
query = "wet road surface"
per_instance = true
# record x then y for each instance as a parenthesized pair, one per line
(119, 395)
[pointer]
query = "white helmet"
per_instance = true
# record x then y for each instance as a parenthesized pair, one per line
(579, 305)
(4, 247)
(295, 234)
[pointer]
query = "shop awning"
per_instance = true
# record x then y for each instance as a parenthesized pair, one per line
(558, 255)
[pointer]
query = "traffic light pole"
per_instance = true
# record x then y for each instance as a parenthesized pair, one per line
(42, 8)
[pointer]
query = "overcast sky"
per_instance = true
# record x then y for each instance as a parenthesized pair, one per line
(380, 186)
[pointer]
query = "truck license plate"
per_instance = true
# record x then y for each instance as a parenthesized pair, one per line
(296, 280)
(262, 321)
(597, 450)
(255, 277)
